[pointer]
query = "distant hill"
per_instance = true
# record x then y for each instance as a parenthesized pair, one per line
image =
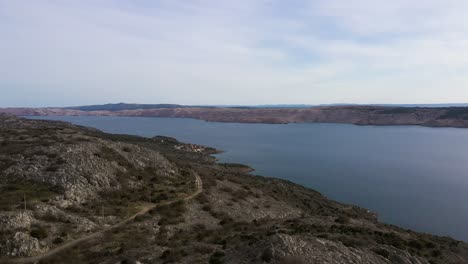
(439, 116)
(337, 104)
(424, 105)
(122, 106)
(130, 106)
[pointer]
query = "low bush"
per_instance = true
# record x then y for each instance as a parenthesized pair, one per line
(126, 149)
(39, 232)
(58, 240)
(171, 214)
(267, 254)
(342, 220)
(382, 252)
(217, 257)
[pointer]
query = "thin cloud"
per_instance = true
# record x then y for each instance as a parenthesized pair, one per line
(233, 52)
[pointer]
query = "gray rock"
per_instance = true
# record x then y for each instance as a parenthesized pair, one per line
(23, 244)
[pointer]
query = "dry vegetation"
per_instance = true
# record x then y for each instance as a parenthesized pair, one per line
(238, 218)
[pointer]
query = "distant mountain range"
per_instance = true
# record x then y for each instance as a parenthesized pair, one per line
(121, 106)
(130, 106)
(440, 115)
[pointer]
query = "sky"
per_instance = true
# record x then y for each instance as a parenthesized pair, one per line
(243, 52)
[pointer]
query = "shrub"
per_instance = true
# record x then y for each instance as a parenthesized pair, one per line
(58, 240)
(171, 214)
(39, 232)
(342, 220)
(436, 253)
(217, 258)
(293, 260)
(415, 244)
(382, 252)
(52, 168)
(161, 197)
(350, 241)
(202, 198)
(60, 160)
(207, 208)
(51, 155)
(5, 163)
(203, 249)
(126, 149)
(267, 254)
(165, 254)
(226, 189)
(240, 194)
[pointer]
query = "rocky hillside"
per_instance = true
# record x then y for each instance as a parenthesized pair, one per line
(156, 200)
(359, 115)
(59, 182)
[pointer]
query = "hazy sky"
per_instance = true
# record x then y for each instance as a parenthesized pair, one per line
(56, 53)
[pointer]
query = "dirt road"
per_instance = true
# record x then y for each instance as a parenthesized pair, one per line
(72, 243)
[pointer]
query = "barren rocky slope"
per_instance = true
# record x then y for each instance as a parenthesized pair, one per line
(359, 115)
(60, 182)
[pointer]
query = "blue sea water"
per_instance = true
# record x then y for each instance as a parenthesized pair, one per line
(413, 177)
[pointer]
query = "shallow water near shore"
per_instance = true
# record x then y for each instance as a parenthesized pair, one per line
(413, 177)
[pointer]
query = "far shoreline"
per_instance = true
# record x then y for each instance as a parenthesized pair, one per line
(38, 117)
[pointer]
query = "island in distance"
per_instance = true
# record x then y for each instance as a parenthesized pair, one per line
(71, 194)
(424, 115)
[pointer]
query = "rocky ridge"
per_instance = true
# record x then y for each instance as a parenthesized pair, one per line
(358, 115)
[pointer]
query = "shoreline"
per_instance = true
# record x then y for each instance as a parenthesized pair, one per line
(37, 117)
(456, 117)
(237, 207)
(212, 152)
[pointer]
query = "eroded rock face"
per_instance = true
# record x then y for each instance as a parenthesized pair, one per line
(15, 220)
(63, 172)
(82, 224)
(18, 243)
(81, 173)
(297, 249)
(317, 250)
(22, 244)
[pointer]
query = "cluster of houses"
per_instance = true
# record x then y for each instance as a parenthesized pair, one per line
(190, 148)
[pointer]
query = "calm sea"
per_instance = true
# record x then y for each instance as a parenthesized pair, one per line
(414, 177)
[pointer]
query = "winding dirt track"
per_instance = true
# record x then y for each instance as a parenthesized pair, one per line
(72, 243)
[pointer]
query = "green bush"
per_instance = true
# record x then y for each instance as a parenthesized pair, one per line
(293, 260)
(171, 214)
(382, 252)
(58, 240)
(39, 232)
(415, 244)
(342, 220)
(126, 149)
(267, 254)
(217, 257)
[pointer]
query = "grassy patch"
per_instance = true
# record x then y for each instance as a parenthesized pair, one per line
(13, 194)
(170, 214)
